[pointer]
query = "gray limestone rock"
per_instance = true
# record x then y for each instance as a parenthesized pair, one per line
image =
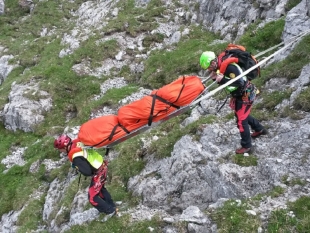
(26, 107)
(2, 7)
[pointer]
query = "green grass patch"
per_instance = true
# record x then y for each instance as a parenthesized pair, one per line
(293, 219)
(31, 216)
(129, 162)
(168, 134)
(230, 116)
(258, 39)
(276, 192)
(272, 99)
(301, 102)
(72, 94)
(153, 38)
(163, 67)
(119, 192)
(291, 4)
(280, 221)
(94, 50)
(133, 20)
(273, 193)
(298, 58)
(10, 139)
(293, 181)
(245, 161)
(46, 14)
(18, 183)
(292, 113)
(232, 217)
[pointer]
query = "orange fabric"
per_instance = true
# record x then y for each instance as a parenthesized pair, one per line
(226, 62)
(223, 64)
(235, 46)
(74, 149)
(182, 91)
(158, 118)
(138, 112)
(220, 58)
(137, 125)
(98, 130)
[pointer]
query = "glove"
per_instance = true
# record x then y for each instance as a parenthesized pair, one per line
(219, 77)
(216, 76)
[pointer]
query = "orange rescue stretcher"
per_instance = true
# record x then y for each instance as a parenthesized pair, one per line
(169, 101)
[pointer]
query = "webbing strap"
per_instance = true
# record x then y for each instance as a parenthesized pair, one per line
(166, 101)
(153, 106)
(107, 151)
(112, 134)
(79, 180)
(152, 111)
(114, 129)
(219, 109)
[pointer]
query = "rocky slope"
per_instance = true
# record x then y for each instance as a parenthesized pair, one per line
(200, 174)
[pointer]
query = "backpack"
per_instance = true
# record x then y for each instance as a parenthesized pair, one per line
(238, 54)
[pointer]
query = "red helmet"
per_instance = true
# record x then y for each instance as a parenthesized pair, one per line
(62, 142)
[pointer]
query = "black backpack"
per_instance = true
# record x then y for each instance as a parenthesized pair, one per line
(246, 60)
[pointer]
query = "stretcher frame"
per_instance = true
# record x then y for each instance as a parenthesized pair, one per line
(205, 93)
(175, 113)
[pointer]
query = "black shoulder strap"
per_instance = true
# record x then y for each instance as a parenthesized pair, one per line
(219, 109)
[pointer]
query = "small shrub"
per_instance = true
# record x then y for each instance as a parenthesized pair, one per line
(290, 4)
(245, 161)
(271, 100)
(301, 102)
(258, 39)
(276, 192)
(149, 39)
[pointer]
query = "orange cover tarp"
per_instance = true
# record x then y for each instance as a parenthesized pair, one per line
(98, 130)
(181, 92)
(138, 112)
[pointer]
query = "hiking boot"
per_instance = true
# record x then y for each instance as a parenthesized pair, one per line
(108, 216)
(259, 133)
(243, 150)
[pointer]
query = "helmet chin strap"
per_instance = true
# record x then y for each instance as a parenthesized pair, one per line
(68, 147)
(216, 63)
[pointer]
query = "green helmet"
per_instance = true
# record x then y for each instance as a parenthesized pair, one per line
(206, 58)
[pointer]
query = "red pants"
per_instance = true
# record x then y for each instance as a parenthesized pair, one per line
(244, 119)
(101, 200)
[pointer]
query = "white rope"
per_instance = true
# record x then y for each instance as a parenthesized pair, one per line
(282, 43)
(205, 79)
(294, 38)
